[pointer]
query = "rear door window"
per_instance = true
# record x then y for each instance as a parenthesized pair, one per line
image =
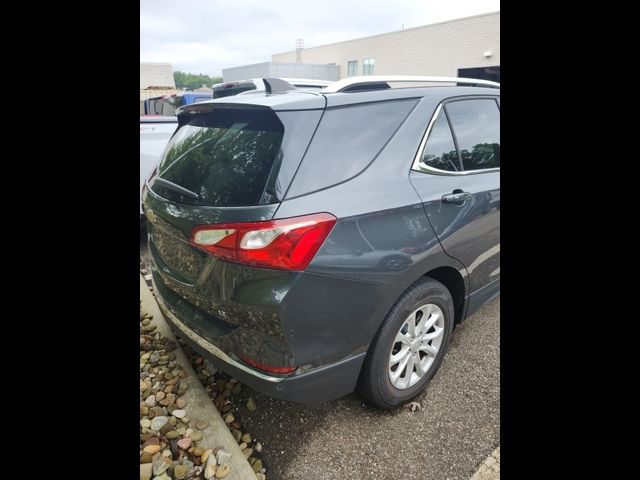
(224, 158)
(440, 151)
(476, 126)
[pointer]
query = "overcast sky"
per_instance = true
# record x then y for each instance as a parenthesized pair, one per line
(205, 36)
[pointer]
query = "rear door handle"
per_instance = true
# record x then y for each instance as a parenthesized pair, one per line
(458, 197)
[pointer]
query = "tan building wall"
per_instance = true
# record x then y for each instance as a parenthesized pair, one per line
(156, 75)
(437, 49)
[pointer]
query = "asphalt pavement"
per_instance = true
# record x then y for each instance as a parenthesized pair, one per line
(455, 429)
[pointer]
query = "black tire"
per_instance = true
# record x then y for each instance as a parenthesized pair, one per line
(374, 381)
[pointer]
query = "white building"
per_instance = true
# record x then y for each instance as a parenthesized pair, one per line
(465, 47)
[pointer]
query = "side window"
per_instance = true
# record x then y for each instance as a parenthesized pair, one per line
(347, 140)
(440, 151)
(476, 126)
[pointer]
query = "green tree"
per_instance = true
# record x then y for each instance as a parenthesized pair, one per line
(192, 81)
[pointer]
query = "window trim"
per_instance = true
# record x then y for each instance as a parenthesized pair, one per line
(366, 62)
(355, 70)
(421, 167)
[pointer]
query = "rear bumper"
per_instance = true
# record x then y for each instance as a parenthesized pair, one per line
(318, 385)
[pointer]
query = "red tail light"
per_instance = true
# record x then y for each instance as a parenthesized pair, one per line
(288, 244)
(268, 368)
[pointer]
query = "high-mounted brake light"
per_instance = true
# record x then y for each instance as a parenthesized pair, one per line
(288, 244)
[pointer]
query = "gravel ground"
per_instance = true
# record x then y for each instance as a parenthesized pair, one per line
(456, 426)
(169, 442)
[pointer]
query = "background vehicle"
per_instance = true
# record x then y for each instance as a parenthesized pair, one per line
(155, 132)
(228, 89)
(171, 103)
(308, 243)
(166, 105)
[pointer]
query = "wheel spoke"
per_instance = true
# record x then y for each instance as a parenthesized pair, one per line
(426, 312)
(425, 347)
(420, 370)
(411, 323)
(402, 338)
(403, 363)
(435, 334)
(431, 322)
(399, 356)
(407, 376)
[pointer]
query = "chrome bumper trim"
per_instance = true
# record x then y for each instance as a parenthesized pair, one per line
(208, 346)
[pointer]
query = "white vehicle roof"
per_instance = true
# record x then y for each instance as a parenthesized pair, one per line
(296, 82)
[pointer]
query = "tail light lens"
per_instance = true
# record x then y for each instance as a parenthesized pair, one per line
(268, 368)
(288, 244)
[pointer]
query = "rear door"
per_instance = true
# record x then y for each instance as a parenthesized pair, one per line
(457, 175)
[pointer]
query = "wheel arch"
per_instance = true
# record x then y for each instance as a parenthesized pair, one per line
(452, 279)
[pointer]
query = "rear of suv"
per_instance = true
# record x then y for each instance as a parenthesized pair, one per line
(310, 243)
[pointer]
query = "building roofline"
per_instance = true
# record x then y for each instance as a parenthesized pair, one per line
(271, 62)
(392, 32)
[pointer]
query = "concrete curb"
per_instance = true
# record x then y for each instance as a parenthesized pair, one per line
(490, 468)
(199, 405)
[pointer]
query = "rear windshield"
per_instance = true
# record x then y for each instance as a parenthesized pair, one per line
(230, 89)
(224, 158)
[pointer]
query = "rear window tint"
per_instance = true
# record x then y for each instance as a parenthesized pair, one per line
(346, 142)
(224, 157)
(440, 151)
(476, 125)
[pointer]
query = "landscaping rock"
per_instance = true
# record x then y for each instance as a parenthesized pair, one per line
(158, 422)
(257, 465)
(145, 471)
(160, 464)
(223, 470)
(211, 468)
(223, 456)
(180, 471)
(206, 454)
(184, 443)
(152, 449)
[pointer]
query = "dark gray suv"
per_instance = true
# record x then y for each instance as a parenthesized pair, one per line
(309, 243)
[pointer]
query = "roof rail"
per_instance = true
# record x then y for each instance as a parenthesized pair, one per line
(347, 83)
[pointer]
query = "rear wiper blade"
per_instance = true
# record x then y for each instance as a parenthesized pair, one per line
(176, 187)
